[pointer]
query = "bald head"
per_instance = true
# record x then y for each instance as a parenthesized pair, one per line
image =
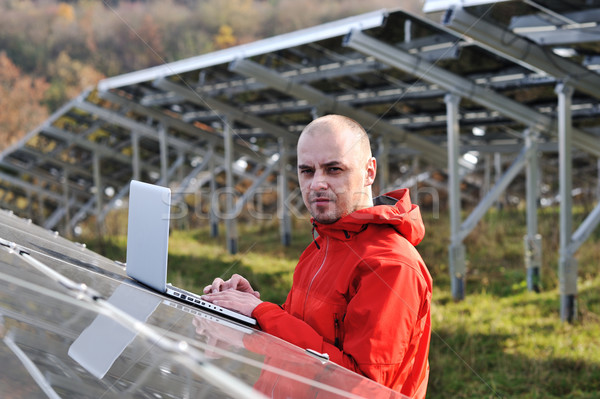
(352, 131)
(335, 167)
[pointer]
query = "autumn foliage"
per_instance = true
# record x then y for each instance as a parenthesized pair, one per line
(21, 107)
(52, 50)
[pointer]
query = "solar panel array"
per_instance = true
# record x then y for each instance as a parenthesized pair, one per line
(231, 118)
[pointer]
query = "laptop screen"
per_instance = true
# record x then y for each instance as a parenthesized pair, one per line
(148, 234)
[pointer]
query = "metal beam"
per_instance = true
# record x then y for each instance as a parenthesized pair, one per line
(265, 173)
(585, 229)
(464, 88)
(522, 51)
(372, 123)
(39, 174)
(28, 187)
(500, 186)
(220, 107)
(84, 143)
(211, 137)
(145, 130)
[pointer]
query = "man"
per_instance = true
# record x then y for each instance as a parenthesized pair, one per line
(361, 292)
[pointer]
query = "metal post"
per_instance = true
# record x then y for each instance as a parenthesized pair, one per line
(40, 210)
(164, 154)
(498, 173)
(285, 225)
(598, 181)
(29, 205)
(230, 222)
(214, 221)
(383, 163)
(65, 189)
(532, 240)
(135, 153)
(567, 266)
(98, 185)
(487, 175)
(415, 172)
(456, 249)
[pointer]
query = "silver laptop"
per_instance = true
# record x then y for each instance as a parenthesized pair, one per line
(148, 242)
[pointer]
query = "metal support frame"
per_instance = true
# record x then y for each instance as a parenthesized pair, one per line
(214, 221)
(135, 155)
(383, 164)
(415, 172)
(164, 154)
(464, 87)
(498, 175)
(80, 141)
(285, 223)
(230, 222)
(458, 231)
(487, 175)
(521, 51)
(515, 168)
(325, 103)
(288, 40)
(98, 194)
(532, 240)
(456, 250)
(250, 191)
(220, 107)
(598, 180)
(66, 203)
(567, 264)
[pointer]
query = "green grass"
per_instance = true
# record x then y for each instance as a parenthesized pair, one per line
(501, 341)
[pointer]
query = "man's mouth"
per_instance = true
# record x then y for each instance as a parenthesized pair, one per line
(321, 200)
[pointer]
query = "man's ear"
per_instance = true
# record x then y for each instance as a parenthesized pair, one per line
(370, 171)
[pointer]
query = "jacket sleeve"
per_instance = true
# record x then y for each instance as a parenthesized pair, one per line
(385, 319)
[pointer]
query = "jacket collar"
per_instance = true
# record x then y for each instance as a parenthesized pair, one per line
(393, 208)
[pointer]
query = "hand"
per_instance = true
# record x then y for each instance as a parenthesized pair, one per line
(239, 301)
(236, 282)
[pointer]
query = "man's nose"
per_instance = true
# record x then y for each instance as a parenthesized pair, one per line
(318, 182)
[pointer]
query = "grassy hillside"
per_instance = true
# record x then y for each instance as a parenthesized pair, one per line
(501, 341)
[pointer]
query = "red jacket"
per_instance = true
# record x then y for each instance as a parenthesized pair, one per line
(361, 293)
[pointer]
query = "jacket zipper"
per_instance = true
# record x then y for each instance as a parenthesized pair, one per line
(315, 276)
(336, 333)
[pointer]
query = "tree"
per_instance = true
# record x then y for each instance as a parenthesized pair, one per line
(69, 78)
(225, 38)
(21, 99)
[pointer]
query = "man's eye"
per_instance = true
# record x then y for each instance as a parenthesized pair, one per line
(335, 169)
(306, 171)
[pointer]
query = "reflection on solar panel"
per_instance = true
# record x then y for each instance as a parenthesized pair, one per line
(72, 325)
(475, 89)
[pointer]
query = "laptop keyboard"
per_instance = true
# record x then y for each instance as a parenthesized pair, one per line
(197, 300)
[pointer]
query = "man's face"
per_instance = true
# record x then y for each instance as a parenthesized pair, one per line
(334, 174)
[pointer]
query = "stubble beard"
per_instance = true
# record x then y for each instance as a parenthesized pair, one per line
(324, 213)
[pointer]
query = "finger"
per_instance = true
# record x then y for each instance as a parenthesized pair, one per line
(240, 283)
(216, 286)
(236, 282)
